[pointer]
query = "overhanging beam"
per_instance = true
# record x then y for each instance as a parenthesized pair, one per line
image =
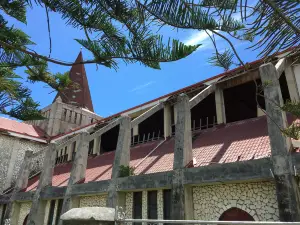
(104, 129)
(202, 95)
(146, 114)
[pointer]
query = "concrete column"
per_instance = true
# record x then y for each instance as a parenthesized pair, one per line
(288, 196)
(97, 144)
(77, 172)
(167, 121)
(37, 211)
(68, 115)
(220, 106)
(122, 157)
(135, 130)
(292, 84)
(182, 206)
(183, 133)
(55, 118)
(12, 209)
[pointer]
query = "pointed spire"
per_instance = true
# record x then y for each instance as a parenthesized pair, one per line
(82, 96)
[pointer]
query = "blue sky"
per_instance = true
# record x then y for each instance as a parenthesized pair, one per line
(132, 84)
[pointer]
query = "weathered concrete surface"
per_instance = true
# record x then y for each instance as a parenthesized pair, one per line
(287, 189)
(21, 183)
(90, 213)
(220, 106)
(167, 120)
(183, 154)
(146, 114)
(147, 181)
(238, 79)
(251, 170)
(292, 83)
(183, 134)
(202, 95)
(77, 172)
(122, 157)
(37, 211)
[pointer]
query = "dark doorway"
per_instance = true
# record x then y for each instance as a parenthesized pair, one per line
(235, 214)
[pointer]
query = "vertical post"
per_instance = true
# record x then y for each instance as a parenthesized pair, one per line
(200, 124)
(77, 172)
(167, 121)
(97, 144)
(122, 157)
(182, 156)
(37, 210)
(287, 189)
(220, 106)
(55, 117)
(292, 83)
(12, 210)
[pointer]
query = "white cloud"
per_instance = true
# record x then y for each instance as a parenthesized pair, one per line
(197, 38)
(142, 86)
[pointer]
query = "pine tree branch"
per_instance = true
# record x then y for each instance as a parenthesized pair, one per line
(84, 62)
(231, 45)
(279, 12)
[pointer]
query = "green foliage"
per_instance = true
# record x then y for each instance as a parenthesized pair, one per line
(114, 31)
(224, 60)
(292, 131)
(15, 99)
(292, 107)
(126, 171)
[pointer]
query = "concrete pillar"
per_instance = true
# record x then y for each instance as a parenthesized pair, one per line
(122, 157)
(167, 120)
(77, 172)
(97, 144)
(37, 211)
(288, 196)
(55, 118)
(220, 106)
(183, 133)
(13, 208)
(135, 130)
(292, 84)
(182, 207)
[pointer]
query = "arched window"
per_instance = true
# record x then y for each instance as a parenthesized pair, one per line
(235, 214)
(25, 220)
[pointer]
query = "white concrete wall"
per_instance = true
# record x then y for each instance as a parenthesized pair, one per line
(12, 151)
(93, 201)
(257, 199)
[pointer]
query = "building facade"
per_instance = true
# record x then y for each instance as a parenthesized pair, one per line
(205, 152)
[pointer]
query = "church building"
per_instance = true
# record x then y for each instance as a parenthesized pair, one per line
(209, 151)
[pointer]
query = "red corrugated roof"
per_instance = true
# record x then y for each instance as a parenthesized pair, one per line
(21, 128)
(238, 141)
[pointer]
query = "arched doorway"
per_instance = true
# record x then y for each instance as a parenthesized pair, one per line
(235, 214)
(25, 220)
